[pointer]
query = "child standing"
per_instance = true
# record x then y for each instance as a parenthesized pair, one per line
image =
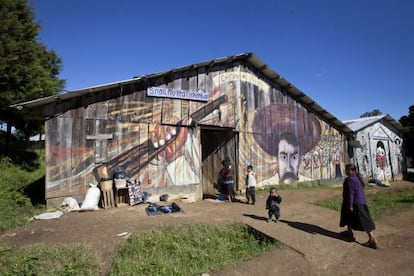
(273, 204)
(250, 185)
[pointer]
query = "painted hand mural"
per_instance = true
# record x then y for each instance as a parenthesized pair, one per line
(165, 145)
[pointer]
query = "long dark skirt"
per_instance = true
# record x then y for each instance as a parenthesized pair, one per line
(359, 219)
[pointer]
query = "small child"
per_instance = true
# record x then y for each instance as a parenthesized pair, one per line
(250, 185)
(273, 204)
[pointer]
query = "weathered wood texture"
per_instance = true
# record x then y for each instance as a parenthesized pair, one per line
(178, 142)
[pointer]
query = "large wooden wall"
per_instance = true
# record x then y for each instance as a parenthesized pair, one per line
(89, 136)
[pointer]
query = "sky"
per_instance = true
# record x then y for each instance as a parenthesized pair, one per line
(350, 56)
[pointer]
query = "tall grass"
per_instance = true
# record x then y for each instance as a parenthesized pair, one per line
(189, 249)
(16, 207)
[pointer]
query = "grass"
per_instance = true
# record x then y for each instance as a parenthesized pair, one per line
(189, 249)
(15, 206)
(169, 250)
(379, 203)
(48, 260)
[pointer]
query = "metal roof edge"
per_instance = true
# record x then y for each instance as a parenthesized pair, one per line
(374, 119)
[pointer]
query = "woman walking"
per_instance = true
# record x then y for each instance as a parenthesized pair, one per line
(354, 211)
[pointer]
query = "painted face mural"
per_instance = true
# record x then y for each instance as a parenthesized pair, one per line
(286, 132)
(288, 159)
(381, 155)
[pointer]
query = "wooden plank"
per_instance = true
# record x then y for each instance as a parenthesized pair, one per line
(196, 83)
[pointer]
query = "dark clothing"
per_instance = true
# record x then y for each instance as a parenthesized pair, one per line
(353, 191)
(219, 186)
(251, 194)
(228, 181)
(353, 197)
(273, 206)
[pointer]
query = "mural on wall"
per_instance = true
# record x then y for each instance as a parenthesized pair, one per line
(157, 140)
(380, 155)
(153, 139)
(287, 144)
(381, 160)
(282, 140)
(286, 132)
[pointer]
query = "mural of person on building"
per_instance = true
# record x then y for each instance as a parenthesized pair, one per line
(381, 159)
(286, 131)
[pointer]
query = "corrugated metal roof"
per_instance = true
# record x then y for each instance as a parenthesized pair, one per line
(364, 122)
(251, 58)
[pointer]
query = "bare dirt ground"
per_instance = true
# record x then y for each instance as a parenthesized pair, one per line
(310, 235)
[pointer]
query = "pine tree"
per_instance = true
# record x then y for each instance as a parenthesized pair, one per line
(28, 70)
(408, 123)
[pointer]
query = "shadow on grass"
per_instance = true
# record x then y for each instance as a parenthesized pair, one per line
(21, 156)
(407, 200)
(36, 191)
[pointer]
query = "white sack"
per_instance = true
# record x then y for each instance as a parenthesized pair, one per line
(69, 204)
(92, 197)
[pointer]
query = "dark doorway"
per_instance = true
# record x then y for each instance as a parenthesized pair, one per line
(216, 143)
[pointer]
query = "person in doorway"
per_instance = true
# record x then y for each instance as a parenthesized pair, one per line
(219, 185)
(273, 205)
(354, 211)
(228, 179)
(250, 185)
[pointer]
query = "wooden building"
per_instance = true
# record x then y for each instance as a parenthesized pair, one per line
(171, 130)
(379, 153)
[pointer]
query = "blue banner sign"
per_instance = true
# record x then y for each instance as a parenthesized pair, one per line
(177, 94)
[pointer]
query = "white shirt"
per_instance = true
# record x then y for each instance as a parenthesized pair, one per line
(251, 179)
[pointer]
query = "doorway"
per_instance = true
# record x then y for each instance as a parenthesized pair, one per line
(216, 144)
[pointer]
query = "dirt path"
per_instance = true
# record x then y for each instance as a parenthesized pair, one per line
(312, 245)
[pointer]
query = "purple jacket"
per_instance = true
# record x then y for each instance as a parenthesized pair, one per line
(353, 192)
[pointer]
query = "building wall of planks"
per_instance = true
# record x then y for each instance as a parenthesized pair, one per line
(176, 145)
(380, 155)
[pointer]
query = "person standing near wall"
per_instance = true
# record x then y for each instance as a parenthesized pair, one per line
(228, 179)
(354, 211)
(250, 185)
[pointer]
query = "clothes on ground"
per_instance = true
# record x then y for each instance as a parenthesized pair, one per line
(155, 209)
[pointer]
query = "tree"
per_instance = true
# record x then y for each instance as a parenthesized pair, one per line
(28, 70)
(408, 123)
(374, 112)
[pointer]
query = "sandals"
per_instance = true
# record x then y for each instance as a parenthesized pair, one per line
(371, 244)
